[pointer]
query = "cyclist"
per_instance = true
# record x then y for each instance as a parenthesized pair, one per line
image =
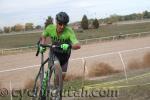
(61, 34)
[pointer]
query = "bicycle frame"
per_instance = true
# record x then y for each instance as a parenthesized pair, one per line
(44, 76)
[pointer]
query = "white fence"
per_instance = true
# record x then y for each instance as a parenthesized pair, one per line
(86, 41)
(116, 37)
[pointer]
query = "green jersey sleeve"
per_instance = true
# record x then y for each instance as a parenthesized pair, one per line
(45, 33)
(47, 30)
(73, 38)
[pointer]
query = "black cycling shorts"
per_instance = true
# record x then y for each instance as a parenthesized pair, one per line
(63, 60)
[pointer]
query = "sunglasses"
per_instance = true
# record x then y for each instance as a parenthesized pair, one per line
(61, 24)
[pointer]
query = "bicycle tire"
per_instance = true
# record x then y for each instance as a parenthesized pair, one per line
(56, 73)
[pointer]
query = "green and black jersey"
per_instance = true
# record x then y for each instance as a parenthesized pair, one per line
(68, 36)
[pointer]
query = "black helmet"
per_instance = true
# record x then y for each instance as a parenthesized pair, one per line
(62, 17)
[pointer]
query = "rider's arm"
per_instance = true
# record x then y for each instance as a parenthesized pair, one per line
(44, 36)
(43, 39)
(75, 43)
(76, 46)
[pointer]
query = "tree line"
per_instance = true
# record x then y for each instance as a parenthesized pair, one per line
(26, 27)
(20, 27)
(85, 23)
(113, 18)
(134, 16)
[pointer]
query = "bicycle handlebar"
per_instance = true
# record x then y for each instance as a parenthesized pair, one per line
(49, 45)
(44, 45)
(38, 49)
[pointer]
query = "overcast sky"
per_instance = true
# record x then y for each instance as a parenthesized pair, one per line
(21, 11)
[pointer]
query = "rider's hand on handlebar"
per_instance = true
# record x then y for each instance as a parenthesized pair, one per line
(42, 49)
(65, 46)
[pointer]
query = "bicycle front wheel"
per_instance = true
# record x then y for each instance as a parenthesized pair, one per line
(56, 82)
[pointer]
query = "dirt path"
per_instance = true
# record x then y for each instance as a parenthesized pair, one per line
(28, 59)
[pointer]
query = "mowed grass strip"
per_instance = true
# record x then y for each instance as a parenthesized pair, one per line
(111, 30)
(20, 40)
(14, 41)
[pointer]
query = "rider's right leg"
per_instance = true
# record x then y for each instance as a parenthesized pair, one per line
(57, 71)
(58, 78)
(64, 70)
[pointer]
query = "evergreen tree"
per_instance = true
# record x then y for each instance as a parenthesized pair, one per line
(95, 23)
(84, 22)
(146, 14)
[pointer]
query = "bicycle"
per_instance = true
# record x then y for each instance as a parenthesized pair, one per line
(49, 90)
